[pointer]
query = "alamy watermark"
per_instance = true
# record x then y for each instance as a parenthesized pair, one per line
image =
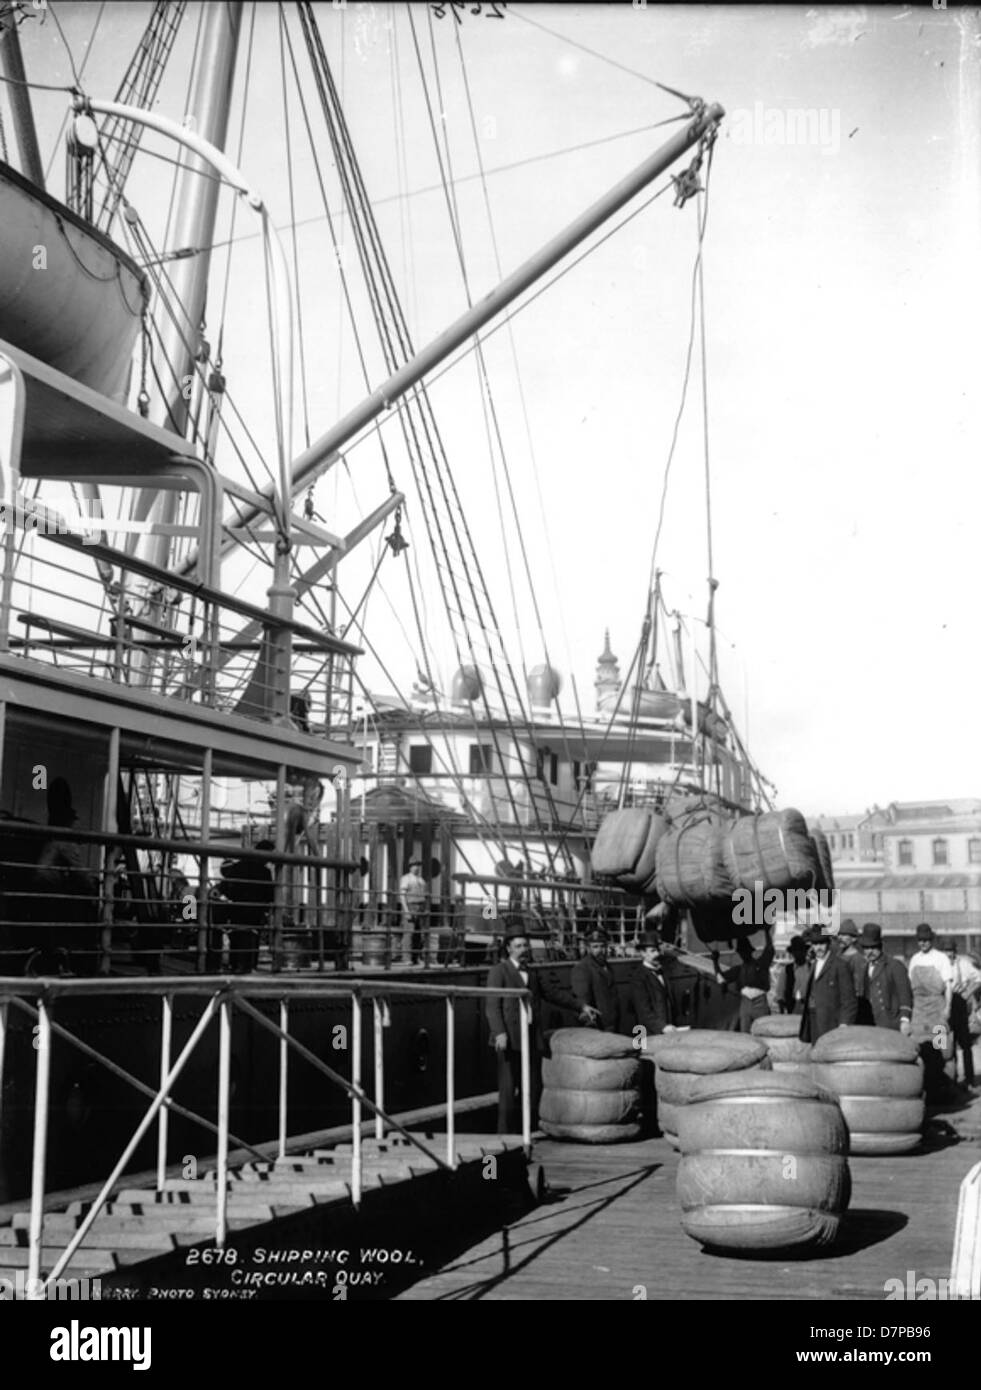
(919, 1290)
(762, 906)
(88, 522)
(17, 1286)
(818, 127)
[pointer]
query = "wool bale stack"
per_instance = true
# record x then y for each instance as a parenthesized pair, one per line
(877, 1076)
(626, 847)
(591, 1089)
(780, 1033)
(763, 1162)
(682, 1059)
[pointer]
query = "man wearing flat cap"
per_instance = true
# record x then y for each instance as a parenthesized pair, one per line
(830, 1000)
(594, 986)
(649, 990)
(504, 1018)
(887, 992)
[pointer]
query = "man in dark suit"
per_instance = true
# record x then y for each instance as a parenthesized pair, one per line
(504, 1018)
(887, 990)
(649, 992)
(830, 1000)
(796, 975)
(594, 986)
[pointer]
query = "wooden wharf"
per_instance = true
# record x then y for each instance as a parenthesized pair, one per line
(610, 1229)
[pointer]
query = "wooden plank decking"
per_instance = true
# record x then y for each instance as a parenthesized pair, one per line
(611, 1231)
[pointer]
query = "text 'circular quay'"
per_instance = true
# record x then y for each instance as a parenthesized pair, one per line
(484, 543)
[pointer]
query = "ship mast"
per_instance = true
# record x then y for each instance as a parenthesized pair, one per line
(196, 203)
(20, 101)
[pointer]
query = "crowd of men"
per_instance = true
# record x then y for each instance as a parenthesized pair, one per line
(830, 979)
(849, 979)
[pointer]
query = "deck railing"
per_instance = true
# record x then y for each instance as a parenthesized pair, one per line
(36, 999)
(89, 903)
(169, 636)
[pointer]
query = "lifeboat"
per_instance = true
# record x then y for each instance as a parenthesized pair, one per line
(68, 295)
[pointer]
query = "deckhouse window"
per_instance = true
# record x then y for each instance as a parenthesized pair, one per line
(421, 759)
(974, 851)
(906, 854)
(940, 852)
(547, 764)
(481, 758)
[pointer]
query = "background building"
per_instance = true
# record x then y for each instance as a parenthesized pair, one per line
(911, 862)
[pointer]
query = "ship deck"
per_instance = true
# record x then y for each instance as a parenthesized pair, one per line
(610, 1229)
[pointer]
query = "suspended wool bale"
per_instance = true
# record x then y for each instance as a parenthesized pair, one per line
(569, 1107)
(781, 1032)
(592, 1134)
(774, 849)
(714, 926)
(691, 867)
(680, 1059)
(826, 880)
(620, 841)
(877, 1075)
(763, 1163)
(590, 1042)
(591, 1073)
(644, 874)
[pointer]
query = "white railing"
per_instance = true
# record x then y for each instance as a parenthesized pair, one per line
(223, 996)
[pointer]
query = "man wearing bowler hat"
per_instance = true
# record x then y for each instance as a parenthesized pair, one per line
(504, 1019)
(649, 991)
(887, 992)
(594, 986)
(931, 979)
(830, 1000)
(847, 946)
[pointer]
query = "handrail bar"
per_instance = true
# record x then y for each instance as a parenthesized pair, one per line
(264, 986)
(566, 885)
(168, 579)
(198, 849)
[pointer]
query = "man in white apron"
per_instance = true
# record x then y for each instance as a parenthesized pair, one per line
(931, 980)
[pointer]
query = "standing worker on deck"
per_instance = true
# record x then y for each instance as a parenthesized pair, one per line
(752, 978)
(504, 1018)
(931, 978)
(594, 986)
(965, 987)
(414, 898)
(887, 993)
(830, 1000)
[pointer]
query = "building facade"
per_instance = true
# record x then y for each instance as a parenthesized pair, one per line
(911, 862)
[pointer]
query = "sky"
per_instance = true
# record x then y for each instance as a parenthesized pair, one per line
(842, 289)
